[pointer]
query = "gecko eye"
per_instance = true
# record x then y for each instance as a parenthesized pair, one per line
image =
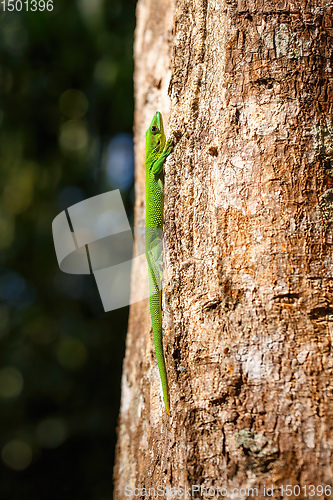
(154, 129)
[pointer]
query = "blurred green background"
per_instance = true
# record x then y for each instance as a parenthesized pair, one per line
(66, 112)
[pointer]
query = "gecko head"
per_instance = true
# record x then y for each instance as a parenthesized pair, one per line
(155, 137)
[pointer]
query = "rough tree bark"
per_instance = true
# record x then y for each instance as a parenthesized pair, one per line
(248, 315)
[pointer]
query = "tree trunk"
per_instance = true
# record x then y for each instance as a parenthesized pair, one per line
(248, 280)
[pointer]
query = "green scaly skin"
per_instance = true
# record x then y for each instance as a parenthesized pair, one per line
(157, 151)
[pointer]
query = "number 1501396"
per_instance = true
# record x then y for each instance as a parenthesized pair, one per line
(27, 5)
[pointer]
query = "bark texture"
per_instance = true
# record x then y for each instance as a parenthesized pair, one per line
(248, 314)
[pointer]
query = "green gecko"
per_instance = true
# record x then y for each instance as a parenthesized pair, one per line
(157, 151)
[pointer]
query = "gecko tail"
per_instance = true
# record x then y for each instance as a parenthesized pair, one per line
(165, 392)
(161, 366)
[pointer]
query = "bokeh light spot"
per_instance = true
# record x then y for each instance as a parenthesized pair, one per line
(11, 382)
(17, 454)
(120, 161)
(91, 10)
(15, 37)
(106, 72)
(71, 353)
(12, 286)
(51, 432)
(73, 136)
(7, 230)
(73, 103)
(18, 193)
